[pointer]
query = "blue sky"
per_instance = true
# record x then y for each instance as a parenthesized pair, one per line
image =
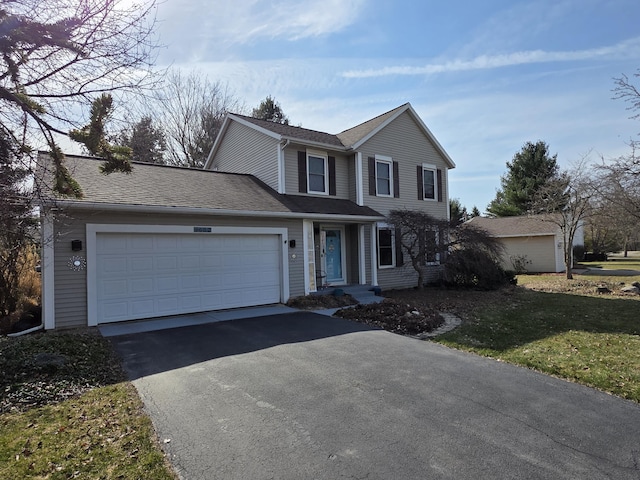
(485, 76)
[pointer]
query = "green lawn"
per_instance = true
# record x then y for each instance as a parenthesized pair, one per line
(74, 420)
(572, 333)
(617, 262)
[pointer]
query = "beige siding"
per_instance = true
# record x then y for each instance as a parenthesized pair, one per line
(540, 251)
(71, 286)
(291, 171)
(404, 142)
(244, 150)
(406, 276)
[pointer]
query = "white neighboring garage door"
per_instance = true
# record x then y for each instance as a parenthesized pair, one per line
(144, 275)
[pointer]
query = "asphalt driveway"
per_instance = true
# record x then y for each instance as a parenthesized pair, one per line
(304, 396)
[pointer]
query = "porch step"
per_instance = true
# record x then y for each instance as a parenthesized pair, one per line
(362, 293)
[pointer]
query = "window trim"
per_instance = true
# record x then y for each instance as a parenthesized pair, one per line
(426, 167)
(391, 229)
(325, 159)
(388, 161)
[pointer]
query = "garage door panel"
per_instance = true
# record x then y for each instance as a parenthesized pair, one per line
(190, 262)
(140, 243)
(147, 275)
(141, 264)
(167, 284)
(166, 262)
(114, 288)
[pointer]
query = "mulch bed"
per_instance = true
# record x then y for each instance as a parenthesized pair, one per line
(394, 316)
(318, 302)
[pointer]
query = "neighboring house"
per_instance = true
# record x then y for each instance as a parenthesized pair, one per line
(278, 211)
(532, 240)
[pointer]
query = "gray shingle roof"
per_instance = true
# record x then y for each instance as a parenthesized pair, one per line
(299, 133)
(165, 186)
(327, 206)
(516, 226)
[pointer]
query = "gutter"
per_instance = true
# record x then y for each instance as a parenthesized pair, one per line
(210, 211)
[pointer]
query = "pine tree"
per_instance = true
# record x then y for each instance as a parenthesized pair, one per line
(527, 172)
(271, 111)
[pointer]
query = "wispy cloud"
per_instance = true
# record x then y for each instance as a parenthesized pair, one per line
(484, 62)
(245, 21)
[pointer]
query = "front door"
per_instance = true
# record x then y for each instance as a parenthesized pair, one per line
(333, 255)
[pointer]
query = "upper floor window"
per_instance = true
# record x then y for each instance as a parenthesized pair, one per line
(429, 184)
(384, 176)
(317, 173)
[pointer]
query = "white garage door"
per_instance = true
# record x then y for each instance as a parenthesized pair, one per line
(152, 275)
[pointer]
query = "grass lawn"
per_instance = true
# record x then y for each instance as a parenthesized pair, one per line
(563, 328)
(65, 412)
(617, 262)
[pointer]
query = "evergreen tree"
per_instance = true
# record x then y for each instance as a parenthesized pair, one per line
(55, 56)
(527, 172)
(146, 141)
(457, 213)
(93, 137)
(270, 110)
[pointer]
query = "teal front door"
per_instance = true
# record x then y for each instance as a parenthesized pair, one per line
(333, 255)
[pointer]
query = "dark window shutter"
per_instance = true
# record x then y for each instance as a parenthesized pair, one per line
(372, 176)
(302, 172)
(420, 184)
(396, 180)
(439, 172)
(399, 259)
(332, 175)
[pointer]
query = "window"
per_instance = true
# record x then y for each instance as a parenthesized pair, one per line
(431, 247)
(386, 247)
(317, 173)
(429, 185)
(384, 179)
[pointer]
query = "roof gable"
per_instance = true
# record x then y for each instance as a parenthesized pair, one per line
(350, 139)
(354, 137)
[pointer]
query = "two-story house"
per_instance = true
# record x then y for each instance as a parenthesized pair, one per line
(278, 211)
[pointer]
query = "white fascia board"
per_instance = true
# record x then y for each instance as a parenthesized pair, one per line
(373, 132)
(110, 207)
(255, 127)
(425, 129)
(432, 137)
(216, 144)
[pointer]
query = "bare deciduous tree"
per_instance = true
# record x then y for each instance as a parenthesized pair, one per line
(56, 56)
(469, 254)
(190, 109)
(564, 200)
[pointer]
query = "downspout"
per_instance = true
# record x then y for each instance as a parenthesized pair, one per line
(25, 332)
